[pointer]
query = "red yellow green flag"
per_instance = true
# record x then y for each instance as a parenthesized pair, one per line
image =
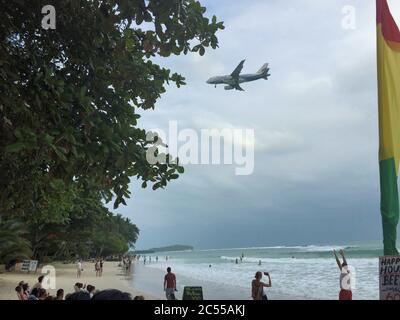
(388, 46)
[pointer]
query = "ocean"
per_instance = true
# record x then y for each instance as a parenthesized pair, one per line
(297, 272)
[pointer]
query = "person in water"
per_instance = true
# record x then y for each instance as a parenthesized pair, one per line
(345, 277)
(257, 286)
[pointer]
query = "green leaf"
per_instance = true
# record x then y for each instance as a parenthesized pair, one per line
(180, 169)
(202, 51)
(59, 153)
(16, 147)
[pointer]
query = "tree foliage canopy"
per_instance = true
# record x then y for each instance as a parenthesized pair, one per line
(69, 98)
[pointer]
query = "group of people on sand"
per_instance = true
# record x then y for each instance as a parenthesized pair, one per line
(37, 292)
(345, 293)
(80, 292)
(126, 264)
(98, 268)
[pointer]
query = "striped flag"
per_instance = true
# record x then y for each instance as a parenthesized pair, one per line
(388, 46)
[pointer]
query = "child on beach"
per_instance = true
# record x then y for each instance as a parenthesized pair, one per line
(345, 278)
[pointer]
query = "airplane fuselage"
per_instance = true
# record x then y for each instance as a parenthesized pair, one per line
(229, 80)
(234, 80)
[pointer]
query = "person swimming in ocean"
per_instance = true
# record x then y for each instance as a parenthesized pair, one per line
(345, 277)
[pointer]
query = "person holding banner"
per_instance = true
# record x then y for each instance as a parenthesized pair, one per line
(345, 277)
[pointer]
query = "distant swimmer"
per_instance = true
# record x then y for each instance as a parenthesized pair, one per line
(259, 262)
(209, 266)
(257, 286)
(156, 258)
(236, 261)
(345, 278)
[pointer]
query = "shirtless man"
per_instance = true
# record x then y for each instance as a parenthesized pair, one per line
(345, 278)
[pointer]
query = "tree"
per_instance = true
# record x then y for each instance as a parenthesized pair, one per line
(87, 230)
(13, 245)
(70, 96)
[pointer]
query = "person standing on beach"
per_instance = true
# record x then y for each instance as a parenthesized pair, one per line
(101, 267)
(79, 268)
(257, 286)
(345, 277)
(170, 284)
(97, 268)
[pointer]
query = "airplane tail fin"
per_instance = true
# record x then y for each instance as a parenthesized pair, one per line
(264, 71)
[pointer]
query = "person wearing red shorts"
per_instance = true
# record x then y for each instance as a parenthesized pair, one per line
(345, 278)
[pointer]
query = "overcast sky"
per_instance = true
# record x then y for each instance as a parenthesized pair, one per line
(316, 176)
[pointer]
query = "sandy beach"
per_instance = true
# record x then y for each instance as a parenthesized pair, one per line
(113, 277)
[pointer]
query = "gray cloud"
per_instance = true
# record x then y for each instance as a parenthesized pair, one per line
(315, 121)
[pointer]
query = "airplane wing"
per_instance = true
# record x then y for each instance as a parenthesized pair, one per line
(235, 74)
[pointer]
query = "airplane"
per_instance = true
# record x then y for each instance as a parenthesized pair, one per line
(234, 80)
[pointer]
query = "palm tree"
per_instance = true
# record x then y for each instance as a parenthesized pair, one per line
(13, 246)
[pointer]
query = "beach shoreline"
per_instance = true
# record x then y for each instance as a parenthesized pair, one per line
(113, 278)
